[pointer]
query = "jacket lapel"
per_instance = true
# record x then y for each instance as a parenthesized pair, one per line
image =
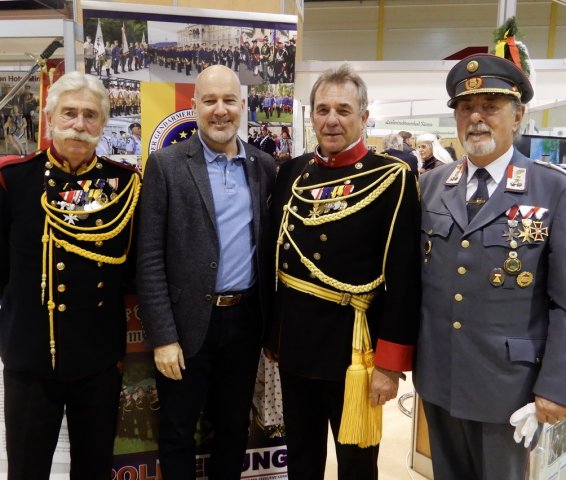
(251, 168)
(196, 164)
(454, 195)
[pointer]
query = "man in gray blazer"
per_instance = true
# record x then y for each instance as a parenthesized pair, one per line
(202, 278)
(494, 282)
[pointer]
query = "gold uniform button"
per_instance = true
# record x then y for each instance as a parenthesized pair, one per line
(60, 266)
(465, 243)
(285, 266)
(294, 208)
(101, 304)
(62, 307)
(51, 182)
(61, 287)
(316, 256)
(53, 203)
(458, 297)
(98, 244)
(457, 325)
(462, 270)
(99, 222)
(306, 175)
(100, 285)
(323, 238)
(99, 264)
(291, 227)
(98, 165)
(286, 246)
(430, 231)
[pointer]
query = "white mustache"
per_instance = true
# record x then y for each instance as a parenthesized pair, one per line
(71, 134)
(478, 128)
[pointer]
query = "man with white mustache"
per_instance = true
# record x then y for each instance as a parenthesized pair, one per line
(493, 315)
(66, 226)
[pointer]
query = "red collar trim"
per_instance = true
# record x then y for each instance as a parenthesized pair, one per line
(342, 159)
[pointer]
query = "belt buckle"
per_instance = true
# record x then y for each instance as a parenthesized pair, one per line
(345, 300)
(228, 300)
(223, 298)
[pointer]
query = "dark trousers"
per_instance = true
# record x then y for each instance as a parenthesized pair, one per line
(468, 450)
(34, 410)
(221, 376)
(308, 406)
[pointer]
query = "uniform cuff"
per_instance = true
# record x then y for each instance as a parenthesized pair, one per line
(393, 356)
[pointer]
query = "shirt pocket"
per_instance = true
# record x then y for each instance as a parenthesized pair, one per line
(436, 223)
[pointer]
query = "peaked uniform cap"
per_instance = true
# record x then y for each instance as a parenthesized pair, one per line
(486, 73)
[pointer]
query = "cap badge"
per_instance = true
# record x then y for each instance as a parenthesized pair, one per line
(473, 66)
(474, 83)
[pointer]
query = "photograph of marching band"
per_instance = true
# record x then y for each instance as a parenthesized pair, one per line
(116, 48)
(179, 52)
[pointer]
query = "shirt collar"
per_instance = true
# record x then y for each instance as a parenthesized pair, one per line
(210, 155)
(496, 168)
(350, 155)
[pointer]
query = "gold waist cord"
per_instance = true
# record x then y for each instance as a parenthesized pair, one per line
(361, 423)
(94, 234)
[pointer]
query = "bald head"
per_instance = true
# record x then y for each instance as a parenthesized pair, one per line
(217, 74)
(219, 106)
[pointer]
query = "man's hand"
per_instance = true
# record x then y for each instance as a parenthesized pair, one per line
(169, 360)
(384, 386)
(548, 411)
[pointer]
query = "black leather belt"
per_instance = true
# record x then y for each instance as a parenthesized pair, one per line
(229, 299)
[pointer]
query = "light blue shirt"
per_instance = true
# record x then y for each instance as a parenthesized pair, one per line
(234, 219)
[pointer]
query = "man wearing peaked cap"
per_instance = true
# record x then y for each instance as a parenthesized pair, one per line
(493, 316)
(133, 144)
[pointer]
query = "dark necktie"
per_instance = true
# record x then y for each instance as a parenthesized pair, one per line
(481, 194)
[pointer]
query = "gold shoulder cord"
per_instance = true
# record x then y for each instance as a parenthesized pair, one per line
(391, 172)
(361, 423)
(91, 234)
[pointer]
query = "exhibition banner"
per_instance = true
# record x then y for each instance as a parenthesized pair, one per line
(135, 448)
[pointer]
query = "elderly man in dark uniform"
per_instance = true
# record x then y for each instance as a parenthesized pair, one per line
(66, 220)
(348, 284)
(493, 325)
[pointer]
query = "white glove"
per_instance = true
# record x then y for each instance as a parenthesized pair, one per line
(525, 422)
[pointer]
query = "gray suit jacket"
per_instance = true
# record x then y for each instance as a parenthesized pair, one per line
(484, 351)
(178, 245)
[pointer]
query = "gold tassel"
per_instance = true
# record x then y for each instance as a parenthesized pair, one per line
(356, 402)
